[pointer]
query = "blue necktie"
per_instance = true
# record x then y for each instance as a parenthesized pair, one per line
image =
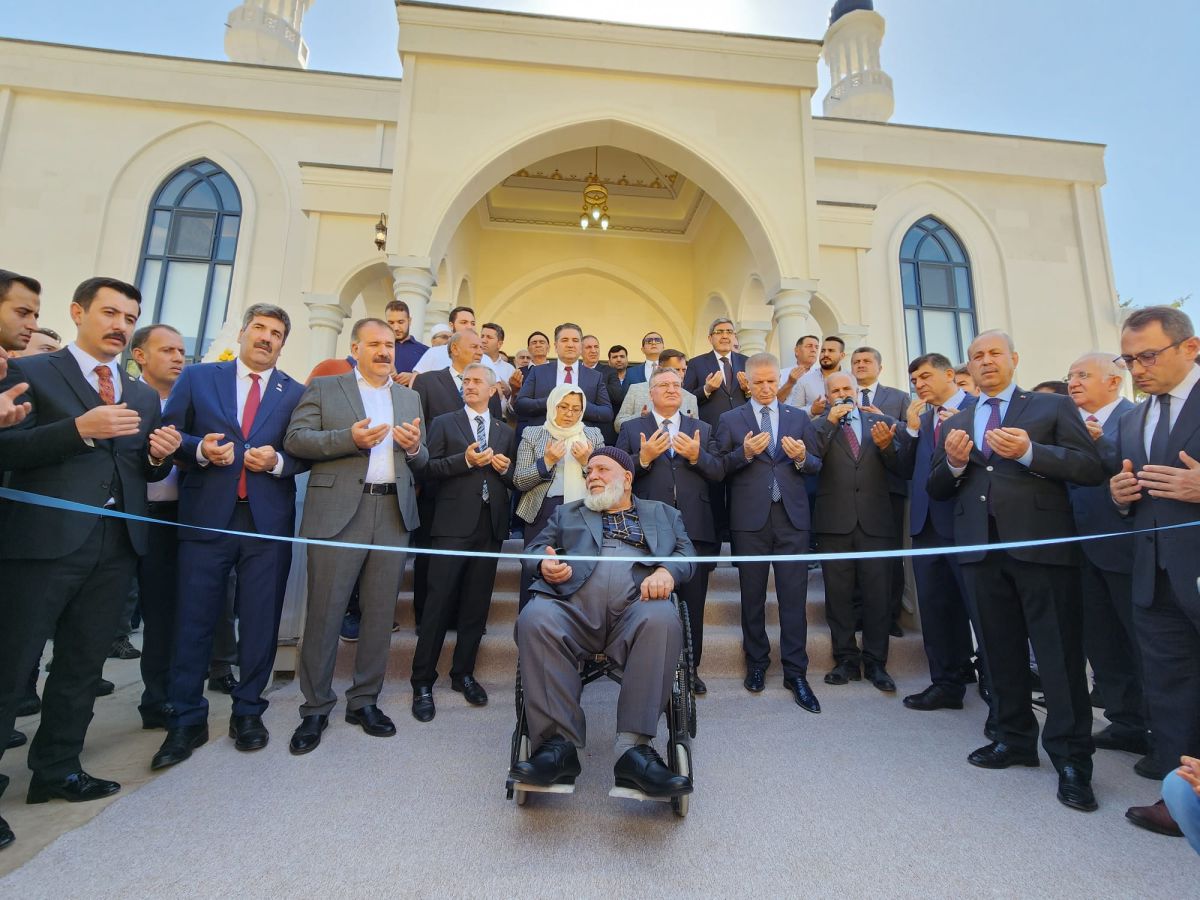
(481, 439)
(666, 427)
(764, 420)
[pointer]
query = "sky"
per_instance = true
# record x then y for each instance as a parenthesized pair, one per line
(1106, 71)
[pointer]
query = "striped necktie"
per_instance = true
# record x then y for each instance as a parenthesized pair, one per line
(764, 421)
(481, 440)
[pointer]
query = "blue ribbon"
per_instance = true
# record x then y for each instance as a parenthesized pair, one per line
(72, 506)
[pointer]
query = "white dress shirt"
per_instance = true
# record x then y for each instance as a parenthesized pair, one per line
(650, 365)
(87, 365)
(562, 369)
(167, 490)
(1179, 396)
(487, 421)
(807, 390)
(983, 412)
(502, 367)
(773, 415)
(721, 369)
(872, 391)
(377, 404)
(1101, 414)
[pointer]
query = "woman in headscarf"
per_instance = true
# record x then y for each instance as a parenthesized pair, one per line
(551, 460)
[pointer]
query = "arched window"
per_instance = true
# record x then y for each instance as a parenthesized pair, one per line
(187, 254)
(939, 304)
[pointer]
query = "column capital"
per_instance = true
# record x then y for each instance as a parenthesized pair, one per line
(752, 336)
(412, 282)
(324, 311)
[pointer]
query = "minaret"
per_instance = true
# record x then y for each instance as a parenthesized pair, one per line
(267, 32)
(861, 89)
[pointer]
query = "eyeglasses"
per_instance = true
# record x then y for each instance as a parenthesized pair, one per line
(1147, 357)
(723, 331)
(652, 340)
(1078, 376)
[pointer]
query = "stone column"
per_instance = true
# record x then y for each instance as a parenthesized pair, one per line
(325, 318)
(792, 318)
(414, 285)
(752, 336)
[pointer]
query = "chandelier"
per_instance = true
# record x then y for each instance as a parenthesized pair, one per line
(595, 200)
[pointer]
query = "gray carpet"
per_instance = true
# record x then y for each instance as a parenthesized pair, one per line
(867, 799)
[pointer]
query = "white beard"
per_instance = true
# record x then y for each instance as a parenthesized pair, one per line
(612, 494)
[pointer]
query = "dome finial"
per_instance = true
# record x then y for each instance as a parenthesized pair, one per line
(842, 7)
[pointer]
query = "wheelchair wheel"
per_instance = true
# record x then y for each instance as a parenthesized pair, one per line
(523, 751)
(681, 764)
(686, 668)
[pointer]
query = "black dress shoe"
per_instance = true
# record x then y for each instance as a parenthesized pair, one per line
(1075, 790)
(16, 739)
(999, 755)
(1148, 768)
(803, 693)
(844, 673)
(122, 649)
(936, 696)
(640, 768)
(104, 687)
(156, 717)
(29, 706)
(225, 684)
(179, 744)
(423, 709)
(307, 734)
(554, 762)
(248, 732)
(1129, 741)
(6, 835)
(372, 720)
(756, 680)
(76, 788)
(471, 690)
(879, 677)
(699, 688)
(896, 631)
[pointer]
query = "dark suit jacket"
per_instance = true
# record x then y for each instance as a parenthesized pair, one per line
(1176, 549)
(1028, 504)
(617, 388)
(575, 530)
(922, 507)
(893, 403)
(750, 481)
(47, 456)
(460, 488)
(674, 480)
(724, 398)
(1095, 513)
(204, 401)
(855, 492)
(541, 380)
(439, 395)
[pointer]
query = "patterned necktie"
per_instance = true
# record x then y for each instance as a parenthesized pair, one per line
(851, 437)
(567, 376)
(666, 427)
(1162, 432)
(108, 394)
(458, 379)
(481, 440)
(992, 422)
(248, 413)
(937, 424)
(764, 421)
(866, 397)
(727, 374)
(1091, 419)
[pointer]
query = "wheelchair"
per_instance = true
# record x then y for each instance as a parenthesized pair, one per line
(681, 722)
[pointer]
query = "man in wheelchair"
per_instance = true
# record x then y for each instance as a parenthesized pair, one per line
(619, 607)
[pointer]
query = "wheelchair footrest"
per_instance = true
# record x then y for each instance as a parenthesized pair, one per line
(635, 794)
(538, 789)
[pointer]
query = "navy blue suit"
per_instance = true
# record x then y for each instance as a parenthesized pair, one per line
(677, 482)
(1106, 587)
(947, 614)
(541, 380)
(1166, 602)
(760, 527)
(204, 401)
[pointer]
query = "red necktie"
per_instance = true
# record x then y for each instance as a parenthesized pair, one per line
(937, 424)
(248, 413)
(851, 437)
(567, 376)
(1091, 419)
(108, 394)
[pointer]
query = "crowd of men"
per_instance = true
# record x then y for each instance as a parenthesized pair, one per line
(666, 458)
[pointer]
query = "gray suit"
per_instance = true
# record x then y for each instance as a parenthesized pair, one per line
(598, 610)
(638, 396)
(335, 508)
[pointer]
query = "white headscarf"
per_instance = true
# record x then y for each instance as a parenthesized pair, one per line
(574, 484)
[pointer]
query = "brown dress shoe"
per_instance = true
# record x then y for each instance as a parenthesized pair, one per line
(1154, 818)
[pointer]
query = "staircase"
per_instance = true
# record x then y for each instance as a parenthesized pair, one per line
(722, 632)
